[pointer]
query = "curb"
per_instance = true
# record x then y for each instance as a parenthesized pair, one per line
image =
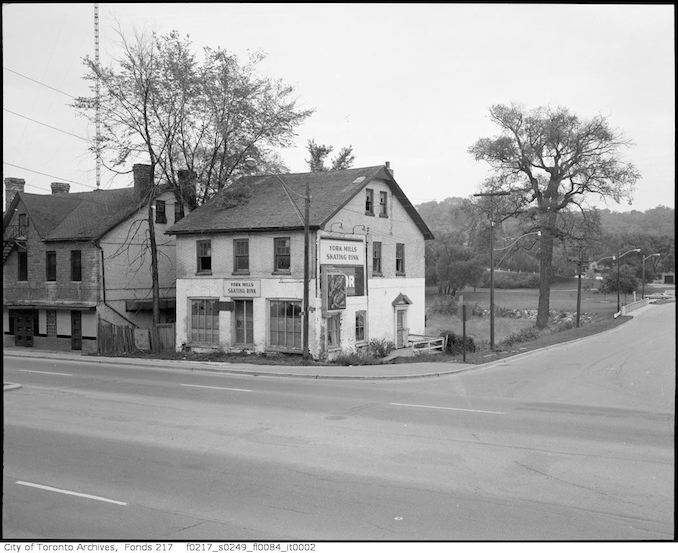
(154, 363)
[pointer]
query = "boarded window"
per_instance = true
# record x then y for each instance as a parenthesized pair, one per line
(23, 266)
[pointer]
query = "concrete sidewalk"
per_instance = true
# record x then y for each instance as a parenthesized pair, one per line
(363, 372)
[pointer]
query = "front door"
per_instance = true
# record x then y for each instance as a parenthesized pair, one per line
(76, 330)
(401, 328)
(23, 328)
(244, 322)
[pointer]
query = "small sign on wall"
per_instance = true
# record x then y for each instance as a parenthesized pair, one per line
(242, 288)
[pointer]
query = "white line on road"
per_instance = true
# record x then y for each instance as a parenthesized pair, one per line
(44, 372)
(68, 492)
(448, 408)
(215, 388)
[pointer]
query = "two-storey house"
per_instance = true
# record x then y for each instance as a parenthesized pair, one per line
(71, 260)
(240, 264)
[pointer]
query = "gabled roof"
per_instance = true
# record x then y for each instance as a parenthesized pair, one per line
(260, 203)
(77, 216)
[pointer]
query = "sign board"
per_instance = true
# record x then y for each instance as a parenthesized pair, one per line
(242, 288)
(341, 252)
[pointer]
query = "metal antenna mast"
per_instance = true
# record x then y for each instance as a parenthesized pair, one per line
(97, 117)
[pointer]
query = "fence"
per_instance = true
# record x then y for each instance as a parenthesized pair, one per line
(626, 309)
(166, 336)
(115, 339)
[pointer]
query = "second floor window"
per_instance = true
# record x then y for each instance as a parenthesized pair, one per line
(76, 265)
(23, 266)
(204, 254)
(241, 255)
(369, 201)
(400, 259)
(23, 224)
(50, 262)
(282, 255)
(376, 258)
(383, 209)
(160, 215)
(178, 211)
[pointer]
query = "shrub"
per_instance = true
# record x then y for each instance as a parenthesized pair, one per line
(511, 280)
(380, 348)
(523, 335)
(358, 357)
(455, 344)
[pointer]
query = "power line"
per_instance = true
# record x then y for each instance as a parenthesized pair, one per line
(47, 175)
(45, 124)
(39, 82)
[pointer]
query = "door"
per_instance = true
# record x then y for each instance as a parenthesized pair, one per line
(23, 328)
(76, 330)
(244, 322)
(401, 328)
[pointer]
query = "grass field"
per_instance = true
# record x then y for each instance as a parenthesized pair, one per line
(563, 298)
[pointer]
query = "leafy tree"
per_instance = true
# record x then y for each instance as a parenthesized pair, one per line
(161, 106)
(552, 161)
(159, 103)
(318, 154)
(628, 282)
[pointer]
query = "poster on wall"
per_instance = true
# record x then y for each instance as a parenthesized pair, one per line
(336, 291)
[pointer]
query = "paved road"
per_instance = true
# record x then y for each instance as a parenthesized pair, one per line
(571, 443)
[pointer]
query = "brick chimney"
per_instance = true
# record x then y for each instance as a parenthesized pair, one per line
(142, 179)
(60, 187)
(387, 164)
(12, 186)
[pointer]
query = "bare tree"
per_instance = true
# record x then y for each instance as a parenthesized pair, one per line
(552, 161)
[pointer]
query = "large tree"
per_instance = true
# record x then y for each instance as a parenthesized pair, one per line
(552, 161)
(162, 105)
(159, 105)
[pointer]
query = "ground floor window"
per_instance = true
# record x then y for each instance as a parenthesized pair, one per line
(360, 326)
(244, 321)
(285, 324)
(334, 331)
(205, 321)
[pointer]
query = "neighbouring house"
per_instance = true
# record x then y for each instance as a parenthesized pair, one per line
(71, 260)
(667, 278)
(240, 264)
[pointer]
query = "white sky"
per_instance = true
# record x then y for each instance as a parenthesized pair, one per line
(407, 83)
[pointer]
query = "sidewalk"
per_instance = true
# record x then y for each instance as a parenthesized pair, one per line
(363, 372)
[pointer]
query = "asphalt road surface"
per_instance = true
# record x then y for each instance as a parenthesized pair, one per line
(571, 443)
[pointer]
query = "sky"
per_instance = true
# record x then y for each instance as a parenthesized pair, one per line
(411, 84)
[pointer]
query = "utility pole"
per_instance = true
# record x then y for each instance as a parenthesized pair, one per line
(97, 115)
(491, 195)
(307, 206)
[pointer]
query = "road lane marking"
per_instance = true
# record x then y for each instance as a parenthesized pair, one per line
(43, 372)
(448, 408)
(215, 388)
(69, 492)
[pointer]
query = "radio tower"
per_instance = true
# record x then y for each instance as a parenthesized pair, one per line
(97, 116)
